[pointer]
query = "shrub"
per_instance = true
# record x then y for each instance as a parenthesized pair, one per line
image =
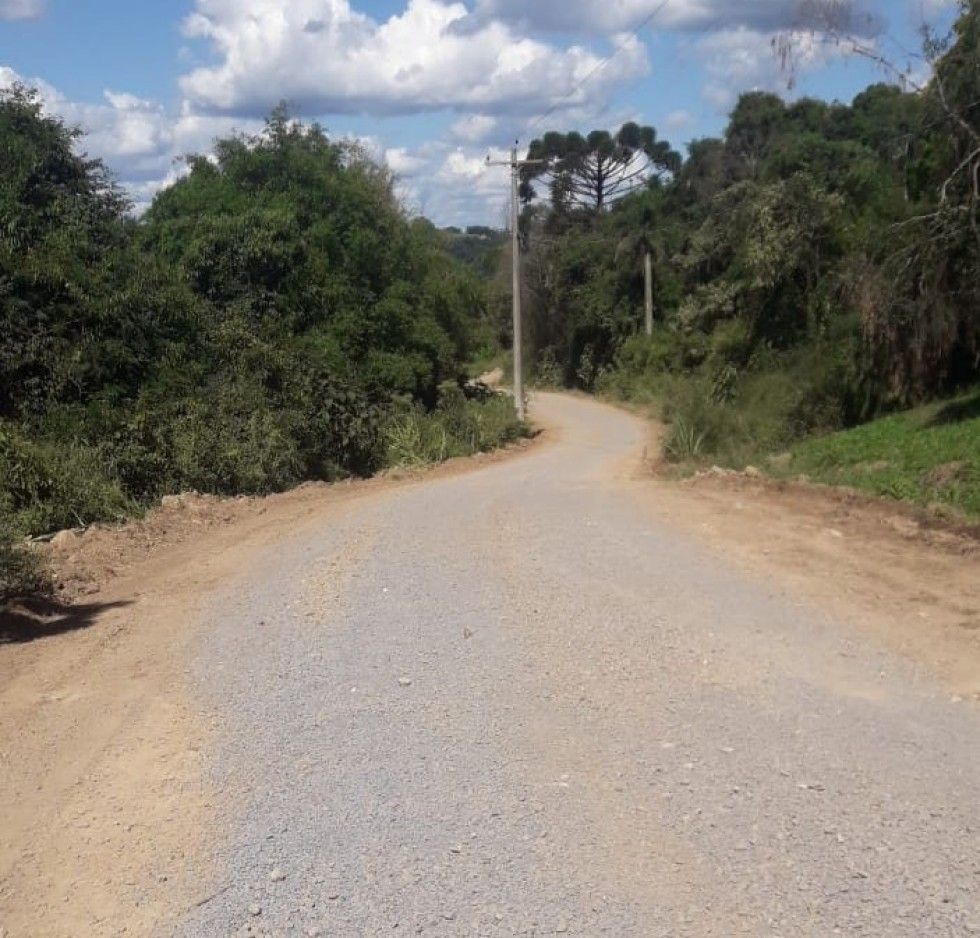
(684, 441)
(47, 485)
(731, 429)
(249, 332)
(20, 568)
(457, 427)
(732, 413)
(413, 438)
(548, 371)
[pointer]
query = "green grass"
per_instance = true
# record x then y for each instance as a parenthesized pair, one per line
(929, 456)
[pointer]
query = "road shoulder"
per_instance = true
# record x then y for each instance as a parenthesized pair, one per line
(107, 809)
(907, 584)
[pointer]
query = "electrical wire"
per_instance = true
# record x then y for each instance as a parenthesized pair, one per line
(598, 67)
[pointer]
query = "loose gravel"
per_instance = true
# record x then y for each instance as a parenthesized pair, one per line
(510, 703)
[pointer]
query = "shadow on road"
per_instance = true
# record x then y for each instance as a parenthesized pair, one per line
(26, 620)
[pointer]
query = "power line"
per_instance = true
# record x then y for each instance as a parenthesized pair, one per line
(599, 66)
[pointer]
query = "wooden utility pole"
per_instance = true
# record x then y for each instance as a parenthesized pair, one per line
(515, 218)
(648, 289)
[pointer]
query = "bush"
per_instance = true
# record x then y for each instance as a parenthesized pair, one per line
(548, 371)
(223, 447)
(457, 427)
(737, 420)
(47, 485)
(20, 568)
(249, 332)
(684, 441)
(732, 409)
(413, 438)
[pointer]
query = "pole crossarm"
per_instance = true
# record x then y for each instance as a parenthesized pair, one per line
(515, 162)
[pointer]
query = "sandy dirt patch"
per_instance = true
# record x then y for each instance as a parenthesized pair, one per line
(911, 580)
(105, 810)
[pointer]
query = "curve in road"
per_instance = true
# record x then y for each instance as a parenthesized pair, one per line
(510, 702)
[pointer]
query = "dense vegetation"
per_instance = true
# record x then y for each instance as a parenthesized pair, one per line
(277, 317)
(274, 317)
(815, 267)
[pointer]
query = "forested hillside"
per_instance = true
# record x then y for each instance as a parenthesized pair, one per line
(275, 317)
(817, 265)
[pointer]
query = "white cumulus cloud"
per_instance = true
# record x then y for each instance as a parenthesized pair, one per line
(325, 57)
(404, 162)
(739, 60)
(21, 9)
(926, 8)
(679, 121)
(137, 138)
(142, 143)
(492, 66)
(606, 16)
(475, 128)
(465, 189)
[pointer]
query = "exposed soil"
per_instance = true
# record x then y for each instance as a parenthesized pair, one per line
(101, 749)
(911, 579)
(100, 746)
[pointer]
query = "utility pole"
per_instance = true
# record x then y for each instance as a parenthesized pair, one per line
(648, 290)
(515, 217)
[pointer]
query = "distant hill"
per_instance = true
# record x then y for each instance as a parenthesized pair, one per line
(477, 246)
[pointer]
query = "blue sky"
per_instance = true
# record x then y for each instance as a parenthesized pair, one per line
(428, 85)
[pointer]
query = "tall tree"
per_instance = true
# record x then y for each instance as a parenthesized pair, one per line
(60, 218)
(592, 173)
(919, 303)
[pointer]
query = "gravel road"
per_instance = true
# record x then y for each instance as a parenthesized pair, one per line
(510, 702)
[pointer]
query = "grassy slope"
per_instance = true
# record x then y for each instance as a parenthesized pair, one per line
(929, 455)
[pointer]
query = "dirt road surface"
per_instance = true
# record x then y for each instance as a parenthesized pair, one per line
(547, 696)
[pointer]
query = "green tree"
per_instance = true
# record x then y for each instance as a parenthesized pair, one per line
(61, 219)
(594, 172)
